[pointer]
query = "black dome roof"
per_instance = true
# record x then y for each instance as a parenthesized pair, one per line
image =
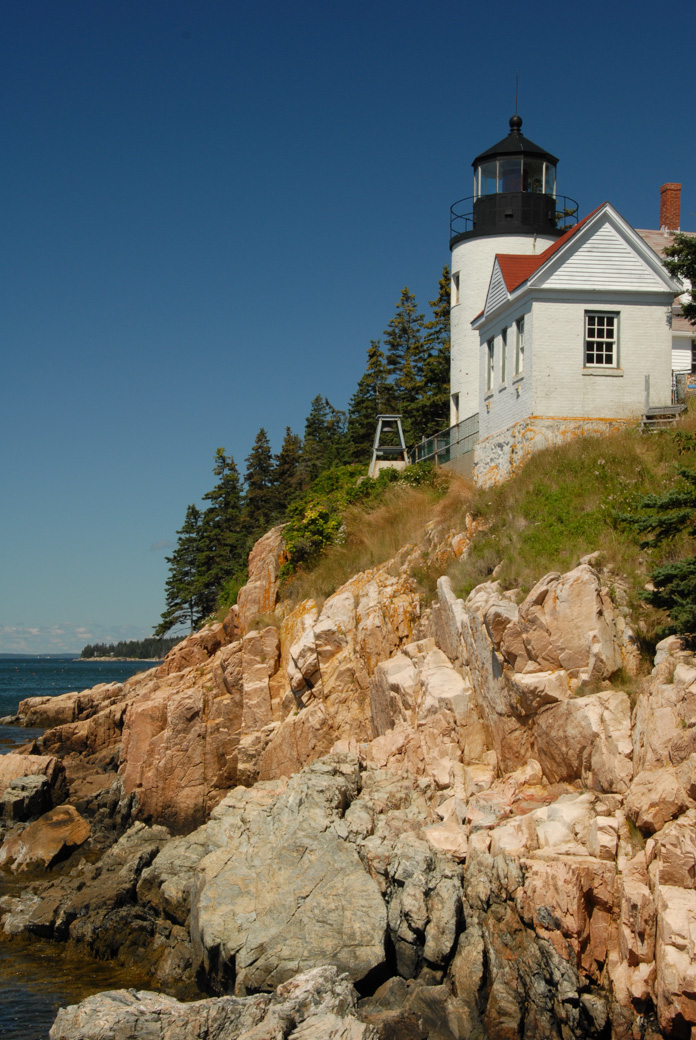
(515, 144)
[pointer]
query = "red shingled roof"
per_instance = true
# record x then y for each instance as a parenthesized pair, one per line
(517, 268)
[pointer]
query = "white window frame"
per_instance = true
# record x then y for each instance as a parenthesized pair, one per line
(601, 330)
(503, 355)
(490, 365)
(454, 289)
(519, 346)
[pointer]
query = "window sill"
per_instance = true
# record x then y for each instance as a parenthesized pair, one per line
(518, 379)
(488, 396)
(608, 371)
(503, 386)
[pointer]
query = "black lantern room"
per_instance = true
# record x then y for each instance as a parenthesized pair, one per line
(514, 192)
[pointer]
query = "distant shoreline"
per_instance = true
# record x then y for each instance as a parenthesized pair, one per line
(145, 660)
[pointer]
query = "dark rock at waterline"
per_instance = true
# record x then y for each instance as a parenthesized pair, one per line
(26, 797)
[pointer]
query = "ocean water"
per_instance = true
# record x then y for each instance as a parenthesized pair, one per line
(36, 978)
(22, 677)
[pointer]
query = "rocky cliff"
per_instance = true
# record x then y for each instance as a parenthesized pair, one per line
(376, 817)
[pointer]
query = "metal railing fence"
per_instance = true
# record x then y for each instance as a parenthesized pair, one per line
(448, 444)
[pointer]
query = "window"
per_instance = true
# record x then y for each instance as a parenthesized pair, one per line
(519, 347)
(454, 293)
(601, 346)
(455, 409)
(490, 349)
(503, 355)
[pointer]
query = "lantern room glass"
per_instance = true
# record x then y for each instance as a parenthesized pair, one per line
(489, 178)
(533, 175)
(507, 175)
(549, 179)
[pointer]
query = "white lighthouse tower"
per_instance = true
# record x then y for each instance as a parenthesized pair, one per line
(514, 209)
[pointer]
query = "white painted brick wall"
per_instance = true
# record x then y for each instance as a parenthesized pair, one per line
(510, 402)
(473, 261)
(563, 387)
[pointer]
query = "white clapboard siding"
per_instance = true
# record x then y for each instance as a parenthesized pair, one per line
(497, 290)
(604, 261)
(681, 357)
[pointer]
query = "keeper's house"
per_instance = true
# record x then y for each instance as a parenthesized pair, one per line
(559, 328)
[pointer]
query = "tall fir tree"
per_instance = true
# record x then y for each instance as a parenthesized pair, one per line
(405, 357)
(662, 518)
(373, 396)
(224, 542)
(680, 259)
(324, 440)
(259, 494)
(182, 589)
(435, 407)
(286, 476)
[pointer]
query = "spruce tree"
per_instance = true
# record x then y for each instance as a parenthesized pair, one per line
(680, 259)
(223, 541)
(259, 495)
(286, 477)
(435, 410)
(324, 440)
(373, 396)
(183, 601)
(405, 358)
(662, 518)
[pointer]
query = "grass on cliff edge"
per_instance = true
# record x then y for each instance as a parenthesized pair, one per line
(564, 503)
(559, 507)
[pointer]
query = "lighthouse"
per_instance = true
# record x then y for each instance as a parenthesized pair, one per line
(514, 209)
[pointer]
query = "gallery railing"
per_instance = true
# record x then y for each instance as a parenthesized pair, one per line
(448, 444)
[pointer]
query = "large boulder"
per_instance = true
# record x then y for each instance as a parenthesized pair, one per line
(566, 622)
(589, 739)
(13, 766)
(26, 796)
(655, 797)
(52, 837)
(285, 893)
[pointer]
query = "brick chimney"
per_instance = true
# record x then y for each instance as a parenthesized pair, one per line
(670, 206)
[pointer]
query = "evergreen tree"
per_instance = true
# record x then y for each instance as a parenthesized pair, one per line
(373, 397)
(405, 359)
(324, 440)
(259, 496)
(662, 518)
(286, 476)
(183, 601)
(403, 335)
(223, 541)
(435, 410)
(680, 259)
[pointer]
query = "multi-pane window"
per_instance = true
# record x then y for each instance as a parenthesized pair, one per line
(519, 347)
(600, 338)
(490, 367)
(503, 355)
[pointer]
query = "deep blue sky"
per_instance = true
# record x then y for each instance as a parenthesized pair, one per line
(210, 208)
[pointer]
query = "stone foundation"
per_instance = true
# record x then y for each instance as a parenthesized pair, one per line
(497, 457)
